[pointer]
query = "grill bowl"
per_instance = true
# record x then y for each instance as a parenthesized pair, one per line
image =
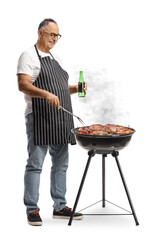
(102, 144)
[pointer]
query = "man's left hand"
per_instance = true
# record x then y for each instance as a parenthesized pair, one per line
(85, 88)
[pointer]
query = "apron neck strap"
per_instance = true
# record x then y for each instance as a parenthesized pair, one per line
(37, 52)
(51, 55)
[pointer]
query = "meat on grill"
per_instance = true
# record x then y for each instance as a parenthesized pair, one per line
(108, 129)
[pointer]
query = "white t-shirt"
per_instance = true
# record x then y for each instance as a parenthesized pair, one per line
(29, 64)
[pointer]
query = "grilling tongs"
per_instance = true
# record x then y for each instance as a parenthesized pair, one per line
(79, 119)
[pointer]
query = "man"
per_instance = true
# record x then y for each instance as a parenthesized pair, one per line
(45, 85)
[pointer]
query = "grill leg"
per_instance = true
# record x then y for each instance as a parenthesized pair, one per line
(115, 154)
(103, 179)
(91, 154)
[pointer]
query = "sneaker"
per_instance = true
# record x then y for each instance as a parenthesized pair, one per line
(65, 213)
(34, 218)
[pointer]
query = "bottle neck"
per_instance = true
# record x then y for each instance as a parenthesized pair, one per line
(81, 79)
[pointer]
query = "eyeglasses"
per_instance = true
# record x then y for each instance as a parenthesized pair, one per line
(54, 35)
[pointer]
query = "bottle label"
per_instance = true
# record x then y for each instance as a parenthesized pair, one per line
(81, 86)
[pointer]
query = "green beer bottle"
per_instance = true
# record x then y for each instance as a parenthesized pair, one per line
(81, 84)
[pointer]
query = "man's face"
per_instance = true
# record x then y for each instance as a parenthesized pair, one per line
(48, 35)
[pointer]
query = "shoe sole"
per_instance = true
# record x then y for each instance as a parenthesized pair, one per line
(65, 217)
(35, 223)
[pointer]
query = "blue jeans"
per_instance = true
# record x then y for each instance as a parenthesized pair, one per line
(36, 155)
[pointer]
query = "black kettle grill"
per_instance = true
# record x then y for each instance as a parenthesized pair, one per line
(103, 144)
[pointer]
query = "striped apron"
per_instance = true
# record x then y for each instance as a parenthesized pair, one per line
(52, 126)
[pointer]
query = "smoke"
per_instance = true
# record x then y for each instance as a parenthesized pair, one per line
(104, 102)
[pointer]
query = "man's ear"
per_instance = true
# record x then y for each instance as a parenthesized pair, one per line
(40, 33)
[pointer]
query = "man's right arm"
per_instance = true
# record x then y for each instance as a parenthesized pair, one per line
(25, 86)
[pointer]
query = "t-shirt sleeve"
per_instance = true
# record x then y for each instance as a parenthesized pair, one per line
(25, 64)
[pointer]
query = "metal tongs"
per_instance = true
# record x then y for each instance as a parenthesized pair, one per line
(79, 119)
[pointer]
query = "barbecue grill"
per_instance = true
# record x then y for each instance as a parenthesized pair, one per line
(103, 144)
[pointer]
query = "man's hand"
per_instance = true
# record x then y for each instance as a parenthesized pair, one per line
(85, 88)
(74, 88)
(52, 99)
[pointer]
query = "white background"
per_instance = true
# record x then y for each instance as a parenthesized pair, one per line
(119, 43)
